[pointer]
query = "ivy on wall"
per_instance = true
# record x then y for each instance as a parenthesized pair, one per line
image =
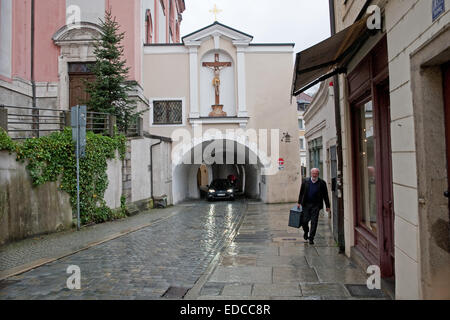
(6, 142)
(52, 158)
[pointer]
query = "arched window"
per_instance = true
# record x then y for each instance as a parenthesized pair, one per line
(148, 27)
(177, 37)
(172, 21)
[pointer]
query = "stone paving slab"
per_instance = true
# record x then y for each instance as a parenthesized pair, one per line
(277, 290)
(276, 261)
(324, 289)
(242, 275)
(292, 274)
(348, 275)
(228, 261)
(237, 290)
(293, 269)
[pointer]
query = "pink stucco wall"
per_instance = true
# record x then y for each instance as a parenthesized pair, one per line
(50, 17)
(21, 39)
(128, 16)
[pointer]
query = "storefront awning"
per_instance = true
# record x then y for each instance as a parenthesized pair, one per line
(328, 57)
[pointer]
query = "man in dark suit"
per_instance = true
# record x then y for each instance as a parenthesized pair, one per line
(313, 193)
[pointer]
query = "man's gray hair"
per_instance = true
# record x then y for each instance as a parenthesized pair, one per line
(315, 169)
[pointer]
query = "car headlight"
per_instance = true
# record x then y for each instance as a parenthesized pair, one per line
(230, 190)
(211, 190)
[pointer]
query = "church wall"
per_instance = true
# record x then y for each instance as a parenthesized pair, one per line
(227, 85)
(172, 82)
(269, 107)
(268, 81)
(127, 14)
(6, 38)
(21, 35)
(90, 10)
(50, 17)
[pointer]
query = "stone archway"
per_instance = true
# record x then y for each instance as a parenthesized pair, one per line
(249, 171)
(77, 46)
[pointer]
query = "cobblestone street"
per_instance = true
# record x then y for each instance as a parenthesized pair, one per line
(141, 265)
(221, 250)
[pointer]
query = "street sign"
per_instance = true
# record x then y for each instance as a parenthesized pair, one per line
(78, 123)
(438, 8)
(281, 164)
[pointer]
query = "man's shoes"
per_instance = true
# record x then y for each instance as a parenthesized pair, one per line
(305, 236)
(311, 241)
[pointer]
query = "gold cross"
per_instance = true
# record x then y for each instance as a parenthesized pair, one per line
(215, 10)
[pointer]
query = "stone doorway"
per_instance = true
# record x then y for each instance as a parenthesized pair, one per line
(79, 74)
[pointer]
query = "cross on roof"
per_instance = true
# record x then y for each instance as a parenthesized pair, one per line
(215, 10)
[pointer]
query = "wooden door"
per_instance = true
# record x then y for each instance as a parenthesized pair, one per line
(77, 88)
(385, 200)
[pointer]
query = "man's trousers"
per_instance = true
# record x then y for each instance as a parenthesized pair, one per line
(310, 213)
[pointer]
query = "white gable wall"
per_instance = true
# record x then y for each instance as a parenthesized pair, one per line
(227, 85)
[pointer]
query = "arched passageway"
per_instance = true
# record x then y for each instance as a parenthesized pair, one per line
(217, 159)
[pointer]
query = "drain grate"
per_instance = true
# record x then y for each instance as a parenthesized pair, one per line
(175, 293)
(361, 291)
(289, 239)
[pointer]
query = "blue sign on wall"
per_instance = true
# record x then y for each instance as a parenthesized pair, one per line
(438, 8)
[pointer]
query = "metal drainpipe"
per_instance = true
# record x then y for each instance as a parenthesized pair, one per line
(33, 83)
(151, 165)
(337, 111)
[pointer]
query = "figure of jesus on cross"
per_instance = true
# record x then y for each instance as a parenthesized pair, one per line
(216, 66)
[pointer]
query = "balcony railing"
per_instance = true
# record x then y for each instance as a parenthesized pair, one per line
(27, 122)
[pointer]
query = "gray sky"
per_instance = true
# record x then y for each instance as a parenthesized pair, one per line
(303, 22)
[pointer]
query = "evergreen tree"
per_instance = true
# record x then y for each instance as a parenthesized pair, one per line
(109, 92)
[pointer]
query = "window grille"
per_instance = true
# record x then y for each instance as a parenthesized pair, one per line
(167, 112)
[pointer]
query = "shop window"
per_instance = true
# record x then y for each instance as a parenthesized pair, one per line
(316, 155)
(367, 168)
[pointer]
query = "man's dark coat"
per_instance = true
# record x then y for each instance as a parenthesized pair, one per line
(321, 196)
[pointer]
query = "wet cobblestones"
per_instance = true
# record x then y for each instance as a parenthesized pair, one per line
(141, 265)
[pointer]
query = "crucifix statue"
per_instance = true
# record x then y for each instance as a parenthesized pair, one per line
(217, 66)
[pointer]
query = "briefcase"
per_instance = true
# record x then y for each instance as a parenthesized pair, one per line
(295, 217)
